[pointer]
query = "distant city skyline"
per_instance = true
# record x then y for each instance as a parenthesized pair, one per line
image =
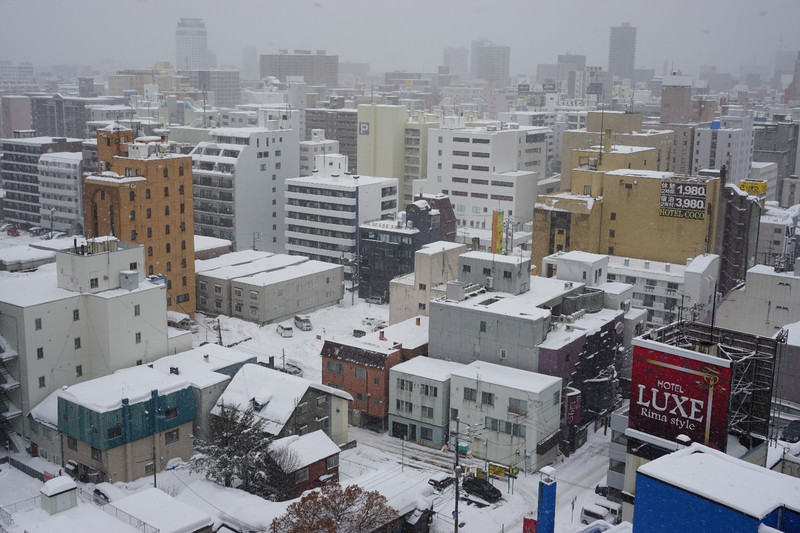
(684, 36)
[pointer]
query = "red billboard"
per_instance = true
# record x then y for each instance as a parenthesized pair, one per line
(675, 391)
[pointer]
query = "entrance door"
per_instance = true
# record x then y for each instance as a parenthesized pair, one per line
(399, 430)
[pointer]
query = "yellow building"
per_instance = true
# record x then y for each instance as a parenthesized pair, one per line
(626, 129)
(626, 211)
(143, 195)
(381, 140)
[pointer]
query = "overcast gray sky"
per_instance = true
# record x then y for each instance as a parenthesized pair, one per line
(406, 35)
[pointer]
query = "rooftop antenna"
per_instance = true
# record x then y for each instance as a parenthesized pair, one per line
(602, 131)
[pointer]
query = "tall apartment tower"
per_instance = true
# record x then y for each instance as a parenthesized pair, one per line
(19, 174)
(316, 69)
(143, 195)
(455, 58)
(622, 51)
(490, 62)
(796, 80)
(191, 44)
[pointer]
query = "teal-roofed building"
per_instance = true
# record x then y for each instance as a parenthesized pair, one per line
(123, 426)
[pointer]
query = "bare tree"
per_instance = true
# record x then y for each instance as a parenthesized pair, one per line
(336, 509)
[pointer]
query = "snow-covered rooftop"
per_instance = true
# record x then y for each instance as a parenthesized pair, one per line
(408, 333)
(199, 366)
(425, 367)
(234, 258)
(503, 376)
(46, 411)
(439, 246)
(716, 476)
(588, 324)
(341, 180)
(275, 394)
(32, 288)
(136, 383)
(202, 243)
(395, 226)
(164, 512)
(24, 253)
(57, 485)
(496, 258)
(308, 448)
(283, 273)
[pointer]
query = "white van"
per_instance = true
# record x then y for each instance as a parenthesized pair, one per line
(591, 513)
(614, 508)
(285, 330)
(302, 322)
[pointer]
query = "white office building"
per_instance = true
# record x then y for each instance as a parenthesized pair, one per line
(239, 179)
(515, 414)
(484, 169)
(88, 315)
(324, 211)
(538, 119)
(61, 191)
(191, 44)
(729, 142)
(318, 145)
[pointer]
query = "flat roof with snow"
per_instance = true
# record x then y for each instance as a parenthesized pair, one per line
(716, 476)
(284, 273)
(507, 377)
(258, 266)
(425, 367)
(233, 258)
(439, 246)
(497, 258)
(408, 333)
(200, 366)
(321, 181)
(203, 242)
(158, 509)
(136, 384)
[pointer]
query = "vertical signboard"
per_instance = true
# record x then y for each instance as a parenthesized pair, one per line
(682, 200)
(497, 232)
(546, 515)
(679, 392)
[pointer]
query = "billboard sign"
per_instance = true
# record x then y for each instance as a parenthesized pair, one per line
(754, 187)
(497, 232)
(682, 200)
(523, 88)
(675, 392)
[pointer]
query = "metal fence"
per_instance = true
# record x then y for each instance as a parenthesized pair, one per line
(22, 467)
(142, 526)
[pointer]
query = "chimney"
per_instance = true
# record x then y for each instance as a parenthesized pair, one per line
(271, 362)
(205, 358)
(607, 141)
(381, 336)
(174, 370)
(418, 321)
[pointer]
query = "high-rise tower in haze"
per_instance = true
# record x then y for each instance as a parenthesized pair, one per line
(622, 50)
(490, 62)
(191, 45)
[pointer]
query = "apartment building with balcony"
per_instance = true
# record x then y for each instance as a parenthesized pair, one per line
(61, 191)
(415, 153)
(239, 181)
(484, 169)
(324, 211)
(19, 174)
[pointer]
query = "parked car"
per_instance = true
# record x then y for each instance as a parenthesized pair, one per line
(12, 232)
(71, 469)
(285, 330)
(376, 300)
(601, 490)
(614, 508)
(791, 433)
(6, 226)
(302, 322)
(482, 489)
(591, 513)
(441, 480)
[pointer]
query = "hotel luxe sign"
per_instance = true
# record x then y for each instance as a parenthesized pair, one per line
(679, 392)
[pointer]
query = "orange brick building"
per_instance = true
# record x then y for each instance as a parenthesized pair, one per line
(360, 366)
(143, 194)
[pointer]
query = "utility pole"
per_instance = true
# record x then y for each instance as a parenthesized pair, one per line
(455, 513)
(155, 468)
(219, 331)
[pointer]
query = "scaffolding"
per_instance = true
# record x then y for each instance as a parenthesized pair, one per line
(752, 360)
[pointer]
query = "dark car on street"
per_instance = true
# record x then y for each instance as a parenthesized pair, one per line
(482, 489)
(791, 433)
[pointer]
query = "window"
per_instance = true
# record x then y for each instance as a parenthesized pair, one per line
(254, 295)
(470, 394)
(93, 283)
(72, 443)
(360, 373)
(426, 433)
(133, 234)
(556, 397)
(362, 397)
(147, 194)
(149, 232)
(428, 390)
(180, 170)
(422, 286)
(404, 384)
(137, 310)
(218, 289)
(336, 368)
(238, 308)
(253, 310)
(166, 229)
(40, 353)
(611, 233)
(516, 406)
(171, 436)
(183, 245)
(466, 269)
(183, 226)
(376, 381)
(38, 323)
(169, 266)
(149, 248)
(183, 208)
(97, 455)
(166, 192)
(77, 342)
(613, 216)
(78, 371)
(421, 306)
(427, 412)
(138, 337)
(487, 398)
(149, 468)
(482, 328)
(180, 190)
(168, 248)
(114, 432)
(404, 406)
(506, 274)
(301, 476)
(171, 413)
(42, 382)
(166, 210)
(133, 214)
(332, 461)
